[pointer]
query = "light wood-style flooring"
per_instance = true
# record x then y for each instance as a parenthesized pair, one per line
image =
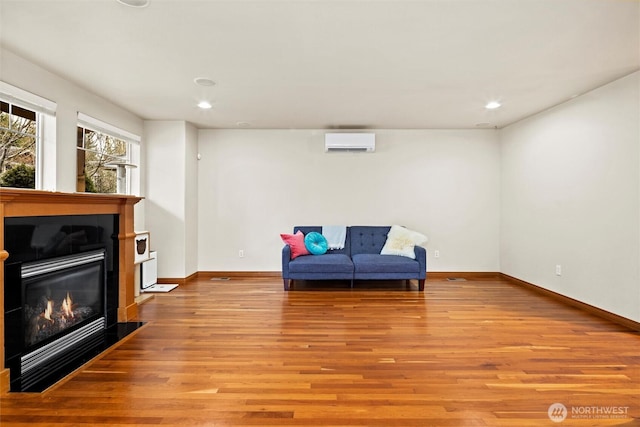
(246, 353)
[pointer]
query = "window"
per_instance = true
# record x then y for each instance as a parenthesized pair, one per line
(27, 121)
(98, 155)
(18, 135)
(105, 157)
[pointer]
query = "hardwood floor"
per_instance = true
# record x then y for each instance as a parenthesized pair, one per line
(245, 353)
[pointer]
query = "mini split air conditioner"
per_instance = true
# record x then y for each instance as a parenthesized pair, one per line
(355, 141)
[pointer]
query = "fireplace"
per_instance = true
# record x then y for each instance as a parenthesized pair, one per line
(62, 310)
(117, 239)
(61, 295)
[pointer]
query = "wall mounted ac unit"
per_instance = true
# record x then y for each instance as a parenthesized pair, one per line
(355, 141)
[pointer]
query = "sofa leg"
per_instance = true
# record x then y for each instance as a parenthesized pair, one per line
(287, 284)
(421, 285)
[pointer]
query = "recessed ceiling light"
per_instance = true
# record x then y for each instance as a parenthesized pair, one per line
(492, 105)
(134, 3)
(243, 124)
(205, 105)
(203, 81)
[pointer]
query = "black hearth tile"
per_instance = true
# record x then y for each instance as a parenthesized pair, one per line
(120, 331)
(41, 378)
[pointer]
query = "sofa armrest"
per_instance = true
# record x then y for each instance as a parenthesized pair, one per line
(421, 257)
(286, 257)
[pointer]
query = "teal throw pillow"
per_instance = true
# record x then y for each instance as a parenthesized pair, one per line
(316, 243)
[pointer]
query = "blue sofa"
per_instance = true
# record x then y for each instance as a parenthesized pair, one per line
(359, 260)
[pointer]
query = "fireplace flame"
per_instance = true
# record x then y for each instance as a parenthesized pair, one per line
(48, 311)
(67, 306)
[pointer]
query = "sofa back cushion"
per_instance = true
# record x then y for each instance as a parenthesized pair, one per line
(306, 229)
(368, 239)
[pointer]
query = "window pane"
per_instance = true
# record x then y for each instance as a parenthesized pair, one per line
(101, 178)
(105, 144)
(4, 120)
(23, 112)
(18, 128)
(96, 154)
(5, 123)
(22, 125)
(80, 137)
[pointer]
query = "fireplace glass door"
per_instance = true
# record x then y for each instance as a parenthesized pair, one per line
(60, 296)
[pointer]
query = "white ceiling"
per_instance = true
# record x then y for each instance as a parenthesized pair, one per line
(330, 64)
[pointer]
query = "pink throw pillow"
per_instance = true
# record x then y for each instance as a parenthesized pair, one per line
(296, 243)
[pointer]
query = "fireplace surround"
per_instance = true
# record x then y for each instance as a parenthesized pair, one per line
(88, 238)
(61, 293)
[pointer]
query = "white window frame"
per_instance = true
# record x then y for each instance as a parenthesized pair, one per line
(45, 124)
(132, 140)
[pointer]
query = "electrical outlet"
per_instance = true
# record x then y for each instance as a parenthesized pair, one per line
(436, 253)
(241, 253)
(558, 270)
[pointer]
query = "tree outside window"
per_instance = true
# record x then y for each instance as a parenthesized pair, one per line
(97, 155)
(18, 136)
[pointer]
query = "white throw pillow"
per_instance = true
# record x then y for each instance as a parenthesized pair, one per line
(401, 241)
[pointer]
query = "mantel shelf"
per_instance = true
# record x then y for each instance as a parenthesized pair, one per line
(22, 202)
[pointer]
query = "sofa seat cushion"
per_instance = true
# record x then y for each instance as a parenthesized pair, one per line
(376, 263)
(327, 263)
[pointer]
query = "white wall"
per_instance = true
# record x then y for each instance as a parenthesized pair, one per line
(570, 197)
(191, 200)
(256, 184)
(170, 204)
